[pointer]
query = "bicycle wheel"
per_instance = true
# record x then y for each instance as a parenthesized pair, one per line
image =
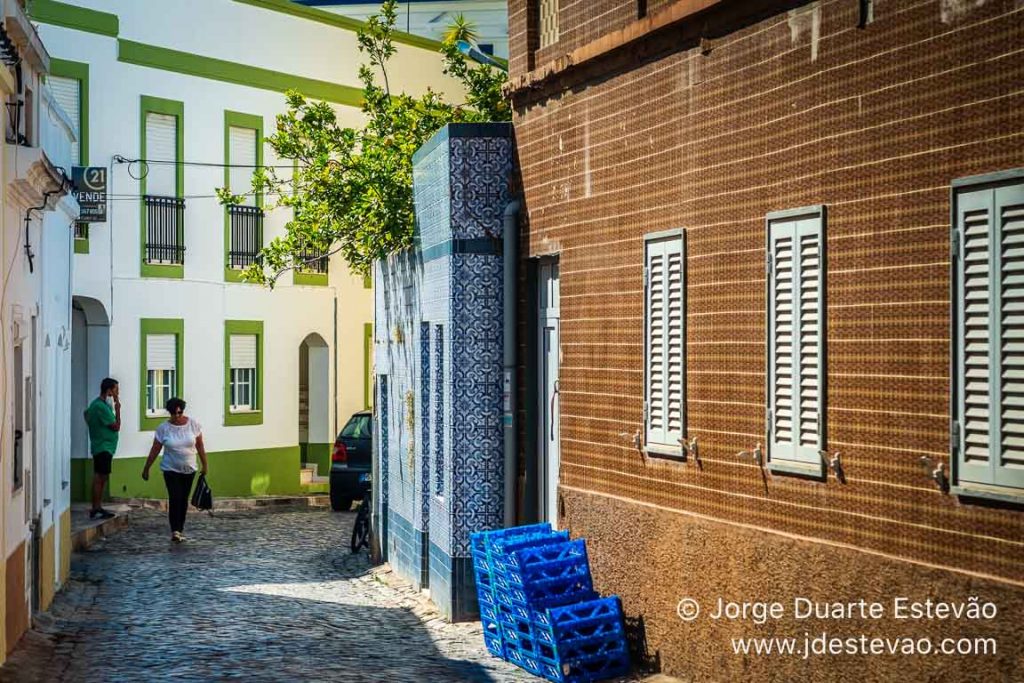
(360, 530)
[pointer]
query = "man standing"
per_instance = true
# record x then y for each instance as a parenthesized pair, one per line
(104, 419)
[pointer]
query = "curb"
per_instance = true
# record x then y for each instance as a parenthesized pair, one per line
(82, 539)
(237, 504)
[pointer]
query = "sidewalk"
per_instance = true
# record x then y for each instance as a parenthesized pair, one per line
(236, 504)
(85, 531)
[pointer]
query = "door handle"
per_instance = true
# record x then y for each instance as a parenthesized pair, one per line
(554, 394)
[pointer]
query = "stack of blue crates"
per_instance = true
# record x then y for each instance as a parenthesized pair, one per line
(539, 609)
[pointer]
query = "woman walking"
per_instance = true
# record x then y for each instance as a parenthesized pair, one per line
(181, 439)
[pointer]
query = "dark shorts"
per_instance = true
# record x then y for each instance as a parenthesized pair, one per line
(101, 462)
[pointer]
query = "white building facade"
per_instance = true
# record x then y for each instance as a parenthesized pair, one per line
(431, 18)
(36, 236)
(174, 100)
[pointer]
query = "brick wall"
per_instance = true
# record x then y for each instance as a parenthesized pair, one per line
(793, 109)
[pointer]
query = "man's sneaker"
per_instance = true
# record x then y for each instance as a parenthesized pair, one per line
(177, 537)
(100, 513)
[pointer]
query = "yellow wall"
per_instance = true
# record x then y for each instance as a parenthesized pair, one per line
(16, 607)
(47, 568)
(65, 546)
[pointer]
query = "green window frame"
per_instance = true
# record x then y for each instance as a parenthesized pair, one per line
(987, 292)
(796, 320)
(249, 417)
(79, 71)
(234, 119)
(158, 105)
(148, 326)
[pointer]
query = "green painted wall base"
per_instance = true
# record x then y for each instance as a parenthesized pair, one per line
(318, 454)
(233, 474)
(81, 480)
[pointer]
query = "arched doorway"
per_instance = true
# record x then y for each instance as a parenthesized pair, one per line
(90, 363)
(315, 438)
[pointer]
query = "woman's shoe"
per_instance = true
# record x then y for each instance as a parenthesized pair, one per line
(177, 537)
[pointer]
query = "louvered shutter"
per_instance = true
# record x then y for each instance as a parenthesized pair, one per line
(796, 342)
(243, 351)
(161, 352)
(989, 233)
(161, 146)
(242, 150)
(68, 93)
(665, 391)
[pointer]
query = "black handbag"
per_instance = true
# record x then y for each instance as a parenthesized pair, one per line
(202, 496)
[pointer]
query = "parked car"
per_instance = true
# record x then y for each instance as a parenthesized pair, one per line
(350, 461)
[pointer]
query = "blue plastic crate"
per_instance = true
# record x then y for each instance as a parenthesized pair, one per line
(501, 552)
(601, 617)
(588, 670)
(570, 550)
(479, 540)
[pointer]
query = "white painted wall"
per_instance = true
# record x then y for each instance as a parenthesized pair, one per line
(431, 19)
(110, 272)
(34, 313)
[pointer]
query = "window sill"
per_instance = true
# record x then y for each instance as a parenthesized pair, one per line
(799, 469)
(149, 423)
(309, 279)
(235, 275)
(985, 492)
(664, 452)
(245, 418)
(175, 271)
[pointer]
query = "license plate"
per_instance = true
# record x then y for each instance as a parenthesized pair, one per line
(364, 477)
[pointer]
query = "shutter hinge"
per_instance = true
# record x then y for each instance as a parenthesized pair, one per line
(768, 263)
(647, 275)
(954, 434)
(768, 418)
(954, 245)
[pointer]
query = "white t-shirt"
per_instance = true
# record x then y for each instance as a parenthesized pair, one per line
(179, 442)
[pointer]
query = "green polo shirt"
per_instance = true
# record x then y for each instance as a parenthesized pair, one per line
(99, 416)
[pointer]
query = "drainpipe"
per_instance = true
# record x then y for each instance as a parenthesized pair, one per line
(510, 236)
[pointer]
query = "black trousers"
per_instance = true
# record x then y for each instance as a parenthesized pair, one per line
(179, 486)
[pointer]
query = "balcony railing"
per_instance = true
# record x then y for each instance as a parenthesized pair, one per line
(311, 261)
(246, 235)
(165, 238)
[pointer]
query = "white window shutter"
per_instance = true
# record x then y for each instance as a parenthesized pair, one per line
(242, 158)
(1009, 210)
(989, 312)
(973, 294)
(796, 322)
(68, 93)
(161, 146)
(243, 351)
(161, 352)
(665, 337)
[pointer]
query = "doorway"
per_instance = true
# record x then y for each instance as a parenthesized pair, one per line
(90, 363)
(315, 438)
(549, 356)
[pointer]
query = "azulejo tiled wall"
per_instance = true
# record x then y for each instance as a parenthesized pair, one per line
(438, 350)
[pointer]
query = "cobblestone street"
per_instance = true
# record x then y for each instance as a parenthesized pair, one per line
(252, 595)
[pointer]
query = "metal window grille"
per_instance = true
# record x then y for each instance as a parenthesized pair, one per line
(311, 261)
(243, 384)
(159, 388)
(165, 229)
(246, 235)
